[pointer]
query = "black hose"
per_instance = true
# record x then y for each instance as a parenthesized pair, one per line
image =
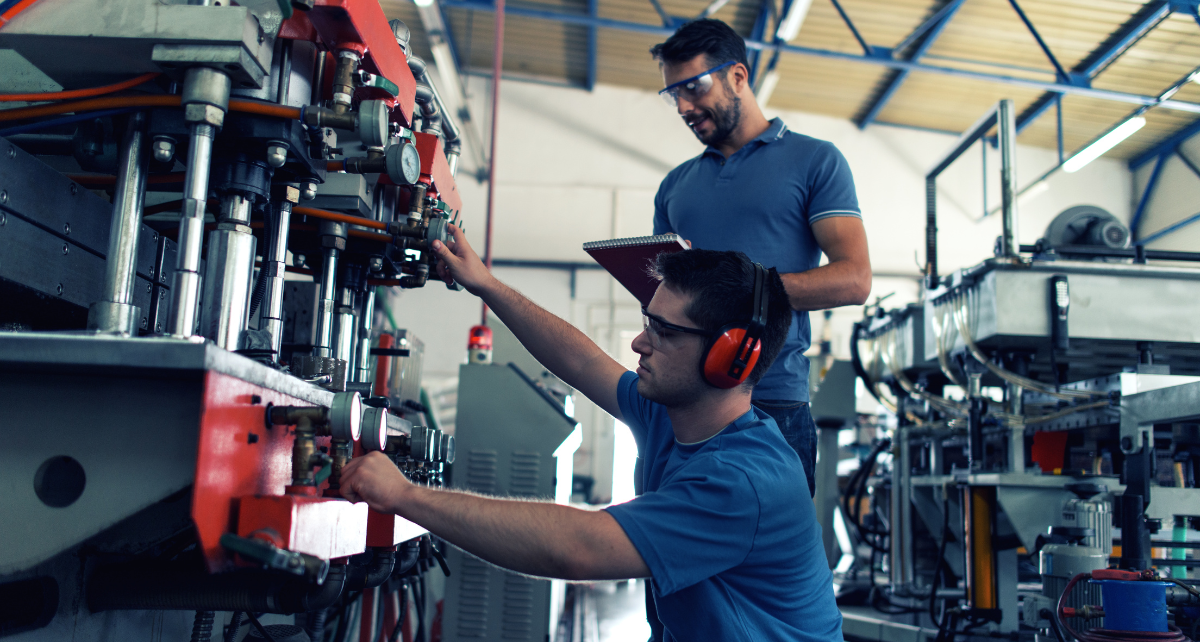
(856, 361)
(419, 600)
(937, 569)
(170, 588)
(370, 569)
(235, 625)
(403, 611)
(202, 626)
(314, 624)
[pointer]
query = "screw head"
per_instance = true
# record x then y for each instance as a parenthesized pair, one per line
(3, 197)
(67, 229)
(309, 192)
(66, 248)
(164, 149)
(12, 151)
(276, 155)
(74, 189)
(3, 218)
(149, 288)
(60, 289)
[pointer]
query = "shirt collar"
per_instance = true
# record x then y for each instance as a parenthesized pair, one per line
(775, 130)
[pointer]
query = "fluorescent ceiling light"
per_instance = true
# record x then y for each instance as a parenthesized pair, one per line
(767, 87)
(423, 3)
(790, 25)
(1106, 142)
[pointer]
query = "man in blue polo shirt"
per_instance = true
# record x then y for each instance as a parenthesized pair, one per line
(781, 197)
(731, 554)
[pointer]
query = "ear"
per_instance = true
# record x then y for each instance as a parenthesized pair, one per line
(740, 77)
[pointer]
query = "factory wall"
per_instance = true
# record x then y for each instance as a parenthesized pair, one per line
(576, 166)
(1175, 198)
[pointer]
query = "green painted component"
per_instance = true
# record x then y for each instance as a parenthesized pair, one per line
(379, 82)
(323, 473)
(285, 7)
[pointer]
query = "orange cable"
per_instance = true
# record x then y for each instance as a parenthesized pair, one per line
(116, 102)
(79, 93)
(339, 218)
(16, 9)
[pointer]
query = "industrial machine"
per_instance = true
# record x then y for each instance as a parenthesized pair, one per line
(1039, 478)
(189, 259)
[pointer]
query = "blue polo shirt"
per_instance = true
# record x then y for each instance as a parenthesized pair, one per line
(727, 530)
(763, 200)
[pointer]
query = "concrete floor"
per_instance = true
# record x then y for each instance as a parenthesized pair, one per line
(607, 612)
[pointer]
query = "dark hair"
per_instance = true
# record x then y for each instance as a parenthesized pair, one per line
(717, 40)
(722, 288)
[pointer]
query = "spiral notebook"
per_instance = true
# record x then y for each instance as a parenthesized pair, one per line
(629, 259)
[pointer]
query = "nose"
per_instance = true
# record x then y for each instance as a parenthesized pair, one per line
(683, 105)
(642, 345)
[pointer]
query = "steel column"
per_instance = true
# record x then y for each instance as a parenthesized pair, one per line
(1058, 68)
(115, 311)
(590, 81)
(1166, 146)
(1009, 245)
(274, 268)
(853, 30)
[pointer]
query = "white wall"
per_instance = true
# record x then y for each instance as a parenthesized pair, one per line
(574, 166)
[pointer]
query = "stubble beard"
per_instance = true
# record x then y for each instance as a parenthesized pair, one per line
(725, 119)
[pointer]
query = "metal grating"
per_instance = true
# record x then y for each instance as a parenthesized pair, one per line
(524, 473)
(481, 471)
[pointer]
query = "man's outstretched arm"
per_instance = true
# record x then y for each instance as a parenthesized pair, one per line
(556, 344)
(534, 538)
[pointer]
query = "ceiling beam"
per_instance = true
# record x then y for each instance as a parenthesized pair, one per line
(853, 30)
(590, 80)
(1058, 68)
(635, 27)
(1139, 24)
(1165, 147)
(925, 35)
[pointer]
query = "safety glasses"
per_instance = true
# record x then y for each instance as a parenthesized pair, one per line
(692, 88)
(656, 328)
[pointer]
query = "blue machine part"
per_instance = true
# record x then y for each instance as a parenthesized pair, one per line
(1134, 606)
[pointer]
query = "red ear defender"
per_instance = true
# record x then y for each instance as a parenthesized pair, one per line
(733, 352)
(722, 366)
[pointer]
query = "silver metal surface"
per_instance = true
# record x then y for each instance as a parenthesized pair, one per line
(363, 350)
(345, 193)
(375, 429)
(901, 512)
(1141, 411)
(346, 335)
(274, 270)
(325, 306)
(121, 259)
(207, 86)
(228, 277)
(186, 289)
(1007, 125)
(345, 416)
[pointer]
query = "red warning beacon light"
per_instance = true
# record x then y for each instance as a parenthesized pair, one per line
(479, 346)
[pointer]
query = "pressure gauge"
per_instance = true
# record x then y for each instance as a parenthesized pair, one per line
(403, 163)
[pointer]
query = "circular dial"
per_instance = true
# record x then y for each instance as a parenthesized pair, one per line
(410, 163)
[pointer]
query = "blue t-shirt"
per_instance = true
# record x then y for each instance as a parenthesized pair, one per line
(762, 200)
(727, 530)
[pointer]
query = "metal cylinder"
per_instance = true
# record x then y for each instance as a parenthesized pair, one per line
(452, 160)
(274, 269)
(115, 312)
(1058, 563)
(185, 290)
(325, 307)
(363, 350)
(901, 513)
(206, 86)
(228, 274)
(1007, 124)
(346, 332)
(1094, 513)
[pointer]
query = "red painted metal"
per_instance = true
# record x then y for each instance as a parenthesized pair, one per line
(383, 365)
(435, 168)
(360, 25)
(238, 455)
(324, 527)
(366, 622)
(387, 530)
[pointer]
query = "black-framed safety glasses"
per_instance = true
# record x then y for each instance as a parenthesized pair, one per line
(655, 326)
(691, 88)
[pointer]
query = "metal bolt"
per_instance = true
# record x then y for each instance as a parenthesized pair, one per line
(145, 323)
(276, 155)
(66, 248)
(3, 196)
(158, 327)
(67, 229)
(298, 260)
(1126, 443)
(3, 218)
(308, 193)
(149, 288)
(60, 289)
(164, 149)
(154, 237)
(12, 151)
(376, 264)
(162, 294)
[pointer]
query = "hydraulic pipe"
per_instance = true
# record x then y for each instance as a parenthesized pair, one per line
(1009, 247)
(205, 99)
(228, 274)
(115, 311)
(346, 334)
(901, 510)
(363, 352)
(449, 129)
(979, 509)
(275, 266)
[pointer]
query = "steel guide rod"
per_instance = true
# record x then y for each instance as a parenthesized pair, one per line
(115, 311)
(274, 268)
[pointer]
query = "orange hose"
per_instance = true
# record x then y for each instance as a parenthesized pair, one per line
(335, 166)
(339, 218)
(16, 9)
(371, 236)
(116, 102)
(79, 93)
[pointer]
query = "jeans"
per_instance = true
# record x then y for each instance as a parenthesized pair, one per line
(796, 423)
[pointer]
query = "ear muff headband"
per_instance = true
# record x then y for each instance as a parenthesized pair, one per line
(733, 352)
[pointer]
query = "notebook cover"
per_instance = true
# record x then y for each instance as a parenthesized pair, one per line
(628, 260)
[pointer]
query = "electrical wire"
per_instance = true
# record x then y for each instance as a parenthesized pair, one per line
(403, 612)
(79, 93)
(65, 120)
(340, 218)
(11, 9)
(1173, 634)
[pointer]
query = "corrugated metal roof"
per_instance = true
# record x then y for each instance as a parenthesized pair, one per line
(986, 36)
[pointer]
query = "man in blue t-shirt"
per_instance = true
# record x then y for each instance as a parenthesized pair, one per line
(781, 197)
(730, 552)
